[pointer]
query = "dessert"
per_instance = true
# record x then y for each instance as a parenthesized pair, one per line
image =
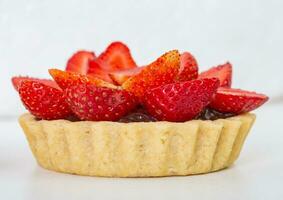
(105, 116)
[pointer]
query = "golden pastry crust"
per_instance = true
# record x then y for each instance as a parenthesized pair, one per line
(138, 149)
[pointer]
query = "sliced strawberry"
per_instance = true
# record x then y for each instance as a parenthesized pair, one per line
(180, 101)
(16, 80)
(162, 71)
(188, 68)
(228, 100)
(43, 101)
(90, 102)
(79, 62)
(117, 56)
(66, 79)
(96, 70)
(222, 72)
(119, 77)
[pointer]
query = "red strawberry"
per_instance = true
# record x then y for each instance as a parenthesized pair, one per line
(43, 101)
(65, 79)
(222, 72)
(93, 103)
(117, 56)
(96, 70)
(188, 68)
(119, 77)
(17, 80)
(162, 71)
(79, 62)
(228, 100)
(180, 101)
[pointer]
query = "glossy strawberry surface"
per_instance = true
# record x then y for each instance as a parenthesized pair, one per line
(119, 77)
(90, 102)
(117, 56)
(43, 101)
(222, 72)
(188, 67)
(180, 101)
(17, 80)
(65, 79)
(79, 62)
(162, 71)
(236, 101)
(110, 86)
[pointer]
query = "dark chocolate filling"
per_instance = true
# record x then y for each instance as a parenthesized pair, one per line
(210, 114)
(139, 115)
(142, 116)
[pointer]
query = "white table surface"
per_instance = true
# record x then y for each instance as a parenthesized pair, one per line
(258, 174)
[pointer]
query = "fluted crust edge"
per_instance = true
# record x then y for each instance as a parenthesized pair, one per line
(143, 149)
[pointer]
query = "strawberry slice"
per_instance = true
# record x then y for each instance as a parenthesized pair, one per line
(96, 70)
(228, 100)
(65, 79)
(90, 102)
(119, 77)
(162, 71)
(117, 56)
(188, 67)
(182, 101)
(222, 72)
(43, 101)
(17, 80)
(79, 62)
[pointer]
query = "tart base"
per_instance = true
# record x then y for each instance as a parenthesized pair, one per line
(137, 149)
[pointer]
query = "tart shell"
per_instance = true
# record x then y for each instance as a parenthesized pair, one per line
(137, 149)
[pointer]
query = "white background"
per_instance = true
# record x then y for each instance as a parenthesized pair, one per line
(39, 34)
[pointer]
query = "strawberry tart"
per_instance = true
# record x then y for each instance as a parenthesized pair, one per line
(105, 116)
